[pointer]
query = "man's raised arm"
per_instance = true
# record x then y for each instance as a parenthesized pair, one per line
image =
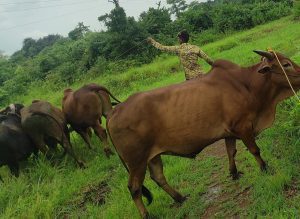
(171, 49)
(202, 55)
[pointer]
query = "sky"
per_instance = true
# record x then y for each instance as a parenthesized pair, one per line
(20, 19)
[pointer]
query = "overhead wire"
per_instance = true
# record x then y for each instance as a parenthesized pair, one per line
(39, 21)
(29, 2)
(43, 20)
(49, 6)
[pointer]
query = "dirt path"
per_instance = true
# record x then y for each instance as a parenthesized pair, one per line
(224, 197)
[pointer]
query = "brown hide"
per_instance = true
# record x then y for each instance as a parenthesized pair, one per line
(229, 103)
(84, 108)
(46, 124)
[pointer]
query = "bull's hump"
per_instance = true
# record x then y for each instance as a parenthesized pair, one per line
(221, 63)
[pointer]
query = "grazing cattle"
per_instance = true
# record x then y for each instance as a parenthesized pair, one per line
(84, 108)
(15, 144)
(230, 102)
(46, 125)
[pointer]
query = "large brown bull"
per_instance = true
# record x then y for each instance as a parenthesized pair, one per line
(229, 103)
(84, 108)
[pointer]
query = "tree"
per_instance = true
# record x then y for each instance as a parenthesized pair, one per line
(29, 47)
(297, 10)
(197, 17)
(232, 17)
(32, 47)
(79, 31)
(154, 20)
(115, 21)
(177, 6)
(6, 68)
(116, 2)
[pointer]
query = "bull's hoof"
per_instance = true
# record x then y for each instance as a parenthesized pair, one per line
(49, 155)
(264, 167)
(91, 148)
(81, 164)
(179, 201)
(268, 170)
(108, 152)
(146, 215)
(184, 198)
(237, 175)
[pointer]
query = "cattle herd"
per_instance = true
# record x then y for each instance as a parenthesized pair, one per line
(230, 102)
(41, 126)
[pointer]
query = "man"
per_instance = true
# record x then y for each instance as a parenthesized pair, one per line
(187, 53)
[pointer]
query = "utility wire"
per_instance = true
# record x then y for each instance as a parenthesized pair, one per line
(51, 6)
(51, 1)
(40, 21)
(18, 3)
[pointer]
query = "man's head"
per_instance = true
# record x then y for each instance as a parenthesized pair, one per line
(183, 36)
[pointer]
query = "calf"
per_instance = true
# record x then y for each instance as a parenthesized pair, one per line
(84, 108)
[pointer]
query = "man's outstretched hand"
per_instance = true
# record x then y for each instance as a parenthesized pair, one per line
(150, 39)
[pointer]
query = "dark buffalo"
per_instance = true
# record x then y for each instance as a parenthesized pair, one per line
(15, 144)
(230, 102)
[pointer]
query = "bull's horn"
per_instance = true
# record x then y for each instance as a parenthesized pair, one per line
(268, 55)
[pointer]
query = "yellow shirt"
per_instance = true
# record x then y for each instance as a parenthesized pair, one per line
(188, 55)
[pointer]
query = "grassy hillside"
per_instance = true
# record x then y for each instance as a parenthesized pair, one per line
(47, 189)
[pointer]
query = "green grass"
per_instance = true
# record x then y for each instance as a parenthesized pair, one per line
(57, 188)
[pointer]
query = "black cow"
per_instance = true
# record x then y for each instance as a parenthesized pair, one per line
(15, 145)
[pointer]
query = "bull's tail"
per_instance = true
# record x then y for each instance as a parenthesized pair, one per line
(145, 192)
(97, 88)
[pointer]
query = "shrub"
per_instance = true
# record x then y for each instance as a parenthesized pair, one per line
(297, 10)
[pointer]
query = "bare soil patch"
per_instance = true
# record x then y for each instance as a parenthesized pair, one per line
(94, 194)
(216, 149)
(220, 192)
(292, 190)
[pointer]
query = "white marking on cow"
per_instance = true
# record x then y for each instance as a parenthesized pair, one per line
(12, 108)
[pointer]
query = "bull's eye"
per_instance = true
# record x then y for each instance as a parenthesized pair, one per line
(286, 65)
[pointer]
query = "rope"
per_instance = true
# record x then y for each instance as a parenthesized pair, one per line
(287, 78)
(138, 44)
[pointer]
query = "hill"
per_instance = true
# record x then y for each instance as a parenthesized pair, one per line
(48, 189)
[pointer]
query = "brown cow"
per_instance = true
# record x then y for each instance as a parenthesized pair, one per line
(229, 103)
(46, 125)
(84, 108)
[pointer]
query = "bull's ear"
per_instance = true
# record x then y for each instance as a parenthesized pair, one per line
(264, 68)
